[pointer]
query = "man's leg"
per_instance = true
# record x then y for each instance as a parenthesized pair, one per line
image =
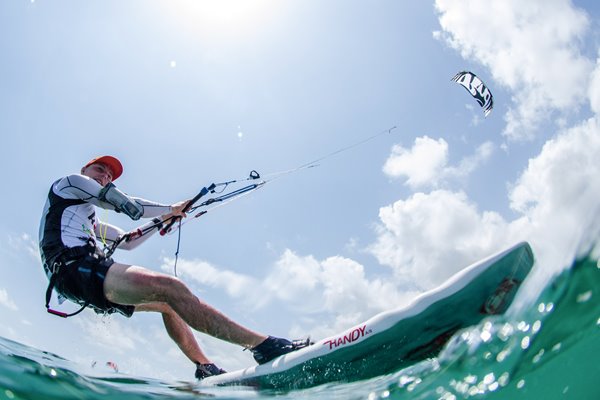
(127, 284)
(178, 330)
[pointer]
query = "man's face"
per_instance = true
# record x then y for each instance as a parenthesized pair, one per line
(98, 172)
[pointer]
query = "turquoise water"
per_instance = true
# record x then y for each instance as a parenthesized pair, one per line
(549, 350)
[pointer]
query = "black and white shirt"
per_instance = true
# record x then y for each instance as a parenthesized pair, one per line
(69, 218)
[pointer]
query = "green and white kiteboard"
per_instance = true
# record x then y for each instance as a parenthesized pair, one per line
(397, 338)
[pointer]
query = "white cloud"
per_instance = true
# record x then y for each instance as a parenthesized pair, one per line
(24, 243)
(295, 279)
(428, 237)
(336, 284)
(234, 284)
(559, 192)
(6, 301)
(426, 163)
(530, 47)
(421, 164)
(336, 287)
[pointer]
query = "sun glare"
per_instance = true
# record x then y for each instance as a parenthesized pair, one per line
(223, 16)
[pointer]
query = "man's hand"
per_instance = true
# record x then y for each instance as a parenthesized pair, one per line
(177, 210)
(176, 214)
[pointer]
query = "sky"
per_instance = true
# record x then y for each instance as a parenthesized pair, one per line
(186, 93)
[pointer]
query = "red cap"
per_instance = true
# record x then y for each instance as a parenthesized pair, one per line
(111, 162)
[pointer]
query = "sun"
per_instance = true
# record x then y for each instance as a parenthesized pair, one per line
(223, 16)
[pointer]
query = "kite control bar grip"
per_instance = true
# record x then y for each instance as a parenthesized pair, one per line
(57, 313)
(189, 205)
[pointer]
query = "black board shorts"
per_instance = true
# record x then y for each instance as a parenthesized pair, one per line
(82, 280)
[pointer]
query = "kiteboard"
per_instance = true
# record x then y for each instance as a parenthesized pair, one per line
(397, 338)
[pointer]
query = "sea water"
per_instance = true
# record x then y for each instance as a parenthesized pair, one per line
(550, 349)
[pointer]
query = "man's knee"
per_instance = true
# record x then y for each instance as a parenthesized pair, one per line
(168, 287)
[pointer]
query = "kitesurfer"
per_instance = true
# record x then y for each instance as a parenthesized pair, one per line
(69, 238)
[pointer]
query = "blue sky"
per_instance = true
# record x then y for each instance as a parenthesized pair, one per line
(187, 93)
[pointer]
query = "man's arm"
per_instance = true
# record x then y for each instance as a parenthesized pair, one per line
(109, 234)
(84, 188)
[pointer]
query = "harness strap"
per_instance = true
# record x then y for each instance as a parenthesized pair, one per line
(62, 261)
(51, 285)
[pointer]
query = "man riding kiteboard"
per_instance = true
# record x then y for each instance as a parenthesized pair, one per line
(80, 271)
